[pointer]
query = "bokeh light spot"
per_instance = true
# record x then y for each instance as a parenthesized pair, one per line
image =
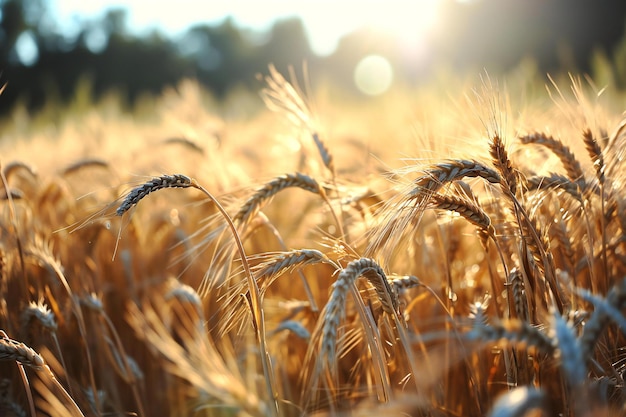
(373, 75)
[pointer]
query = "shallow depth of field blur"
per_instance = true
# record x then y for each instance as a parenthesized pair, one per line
(421, 216)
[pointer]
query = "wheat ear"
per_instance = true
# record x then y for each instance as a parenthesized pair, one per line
(518, 294)
(594, 327)
(42, 252)
(334, 313)
(84, 163)
(501, 161)
(554, 181)
(467, 209)
(158, 183)
(284, 262)
(513, 331)
(595, 153)
(436, 176)
(12, 350)
(254, 203)
(8, 406)
(270, 189)
(570, 163)
(14, 166)
(401, 214)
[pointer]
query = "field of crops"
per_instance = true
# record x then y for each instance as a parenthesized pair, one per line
(456, 250)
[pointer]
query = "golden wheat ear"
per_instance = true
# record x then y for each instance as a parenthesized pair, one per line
(563, 152)
(159, 183)
(12, 350)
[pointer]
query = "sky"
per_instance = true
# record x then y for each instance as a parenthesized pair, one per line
(325, 21)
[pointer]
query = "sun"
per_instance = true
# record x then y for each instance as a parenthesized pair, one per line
(408, 21)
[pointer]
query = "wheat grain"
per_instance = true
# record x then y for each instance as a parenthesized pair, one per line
(164, 181)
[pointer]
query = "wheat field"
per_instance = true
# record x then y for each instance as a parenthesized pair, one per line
(453, 251)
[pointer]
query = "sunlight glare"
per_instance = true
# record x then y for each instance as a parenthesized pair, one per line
(407, 22)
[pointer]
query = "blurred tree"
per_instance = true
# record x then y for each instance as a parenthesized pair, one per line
(288, 44)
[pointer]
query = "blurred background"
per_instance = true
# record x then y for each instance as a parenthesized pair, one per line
(138, 47)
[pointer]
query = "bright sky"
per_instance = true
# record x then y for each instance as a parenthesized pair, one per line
(326, 21)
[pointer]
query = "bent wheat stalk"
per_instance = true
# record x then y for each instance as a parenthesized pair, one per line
(182, 181)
